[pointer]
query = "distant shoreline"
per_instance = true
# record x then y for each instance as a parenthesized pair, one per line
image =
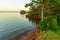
(8, 11)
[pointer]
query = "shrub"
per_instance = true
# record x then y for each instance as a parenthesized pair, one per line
(58, 19)
(22, 12)
(49, 24)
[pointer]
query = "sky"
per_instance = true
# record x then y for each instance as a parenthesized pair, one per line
(13, 5)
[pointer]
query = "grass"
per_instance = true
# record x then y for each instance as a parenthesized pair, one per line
(49, 35)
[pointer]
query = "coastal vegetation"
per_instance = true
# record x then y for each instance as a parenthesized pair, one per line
(48, 12)
(22, 11)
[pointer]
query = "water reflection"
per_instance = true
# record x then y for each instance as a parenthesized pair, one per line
(35, 21)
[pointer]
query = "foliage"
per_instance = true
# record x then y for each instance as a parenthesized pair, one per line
(50, 28)
(22, 12)
(58, 19)
(50, 24)
(35, 5)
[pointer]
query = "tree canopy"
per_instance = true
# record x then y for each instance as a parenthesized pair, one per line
(43, 7)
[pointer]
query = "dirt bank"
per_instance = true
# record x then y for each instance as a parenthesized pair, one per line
(32, 35)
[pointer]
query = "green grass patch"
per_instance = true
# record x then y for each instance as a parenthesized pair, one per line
(49, 35)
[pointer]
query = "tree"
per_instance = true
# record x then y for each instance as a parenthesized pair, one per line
(22, 12)
(42, 6)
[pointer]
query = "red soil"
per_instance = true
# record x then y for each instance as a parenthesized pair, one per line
(33, 35)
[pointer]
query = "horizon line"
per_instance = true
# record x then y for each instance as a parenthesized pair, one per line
(8, 11)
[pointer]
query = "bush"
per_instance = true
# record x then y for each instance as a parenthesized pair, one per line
(22, 12)
(58, 19)
(50, 24)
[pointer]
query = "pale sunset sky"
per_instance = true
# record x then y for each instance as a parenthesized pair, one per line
(13, 5)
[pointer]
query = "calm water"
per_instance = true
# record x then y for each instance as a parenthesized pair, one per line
(13, 24)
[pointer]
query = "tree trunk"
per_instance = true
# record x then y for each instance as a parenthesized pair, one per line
(42, 13)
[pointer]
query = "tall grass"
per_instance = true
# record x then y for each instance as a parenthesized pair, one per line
(49, 35)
